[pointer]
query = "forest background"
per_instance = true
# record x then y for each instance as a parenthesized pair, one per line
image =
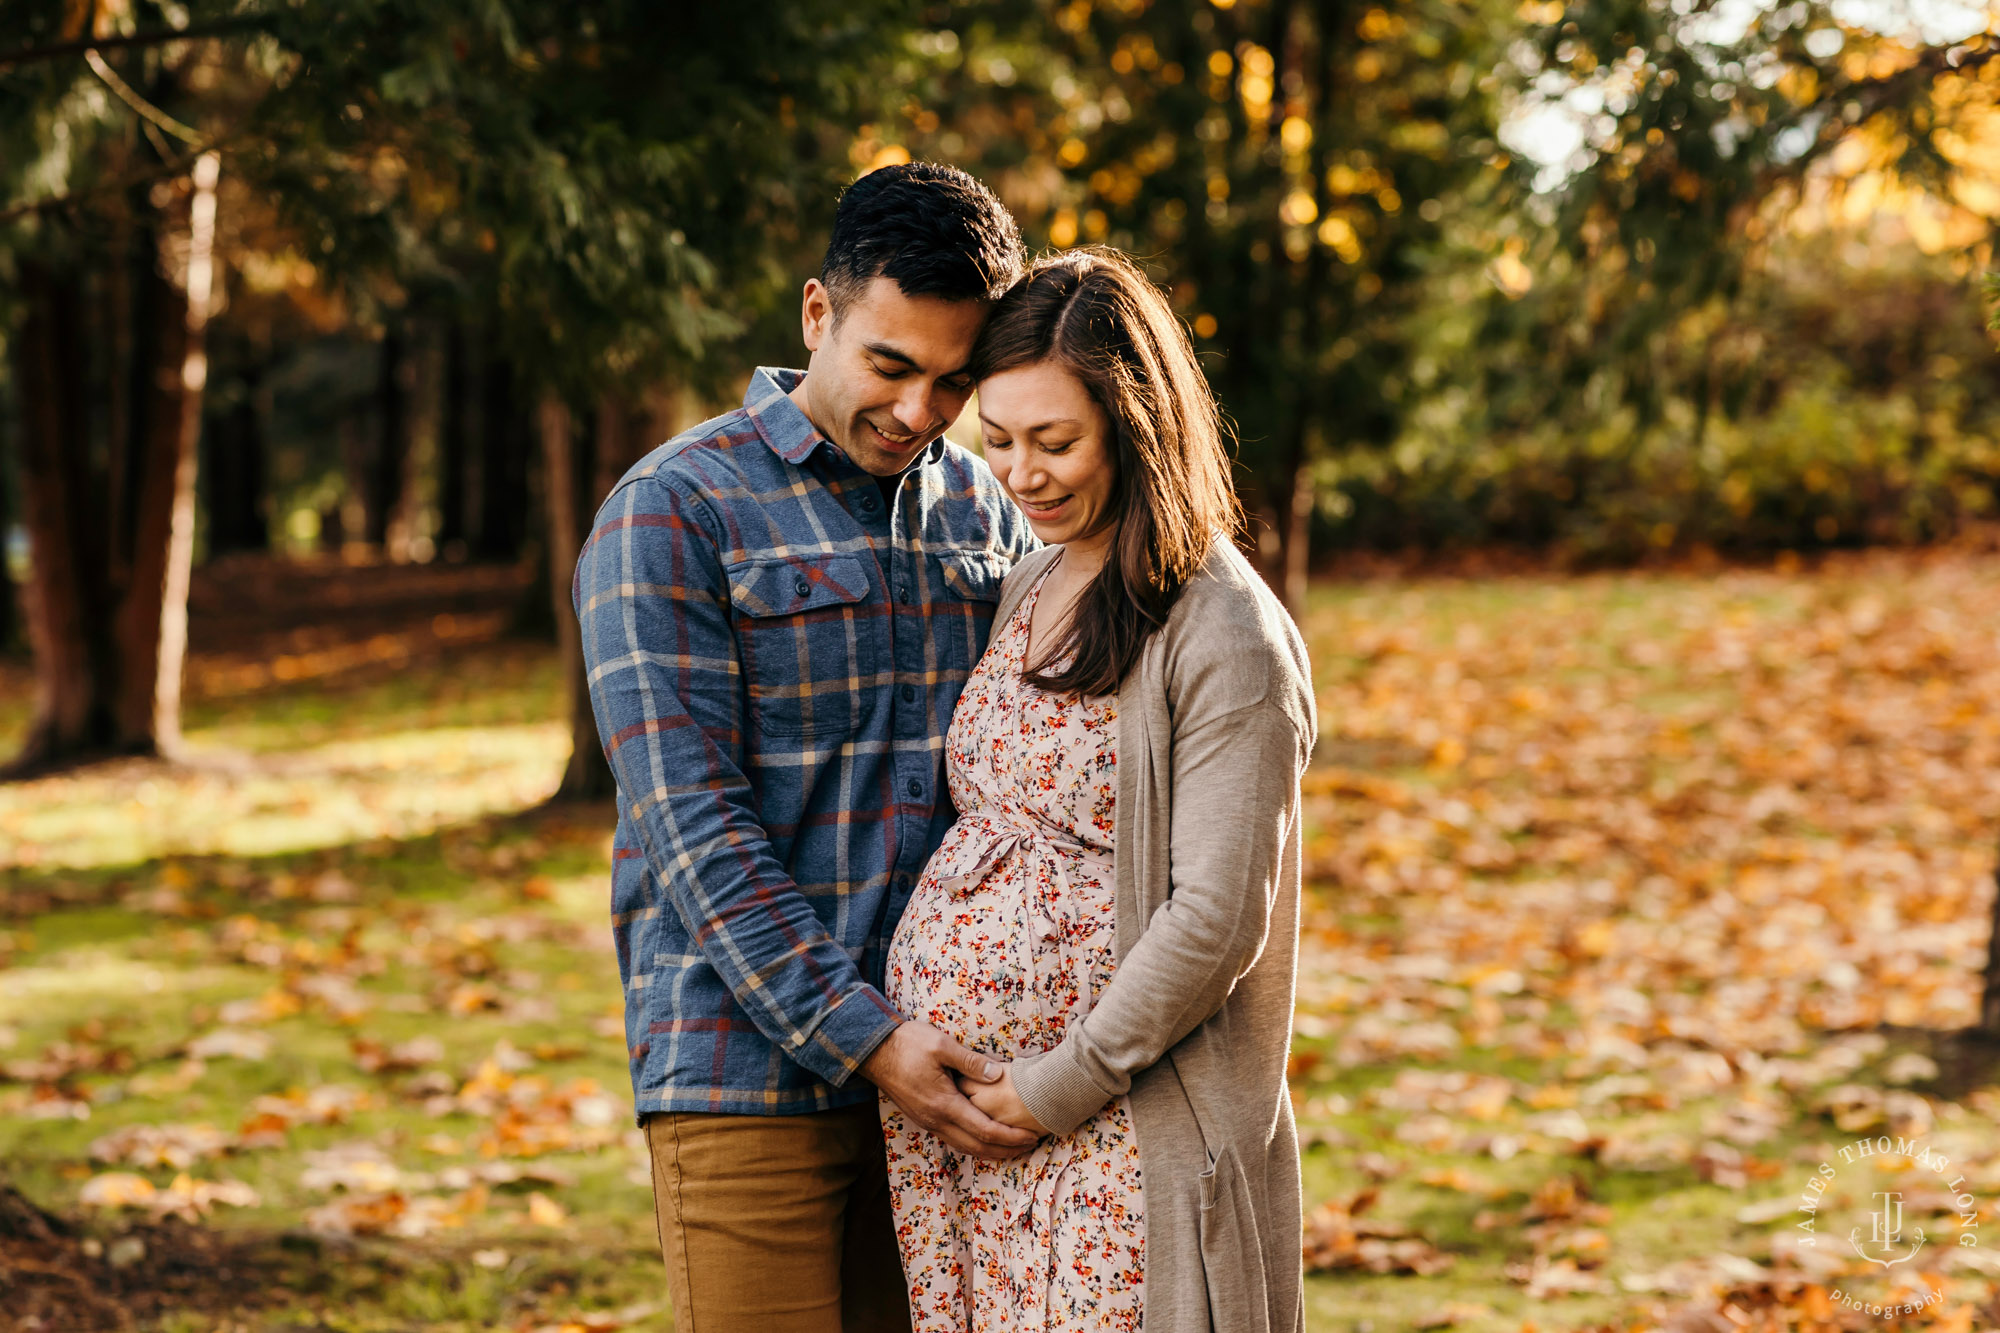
(326, 326)
(414, 283)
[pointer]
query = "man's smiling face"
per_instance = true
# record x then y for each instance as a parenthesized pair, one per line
(889, 374)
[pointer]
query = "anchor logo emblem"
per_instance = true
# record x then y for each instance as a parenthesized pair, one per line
(1887, 1232)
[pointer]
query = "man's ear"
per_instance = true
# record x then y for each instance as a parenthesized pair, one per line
(816, 313)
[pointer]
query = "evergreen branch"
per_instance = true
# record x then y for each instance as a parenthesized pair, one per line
(173, 167)
(1875, 95)
(61, 50)
(130, 97)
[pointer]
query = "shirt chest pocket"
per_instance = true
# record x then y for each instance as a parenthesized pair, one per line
(970, 580)
(972, 575)
(806, 640)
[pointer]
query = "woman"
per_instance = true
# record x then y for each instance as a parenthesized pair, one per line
(1115, 912)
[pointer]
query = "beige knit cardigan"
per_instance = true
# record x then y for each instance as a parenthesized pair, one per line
(1215, 724)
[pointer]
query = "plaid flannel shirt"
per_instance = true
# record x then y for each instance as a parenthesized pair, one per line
(774, 649)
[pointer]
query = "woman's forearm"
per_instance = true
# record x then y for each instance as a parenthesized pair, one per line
(1235, 783)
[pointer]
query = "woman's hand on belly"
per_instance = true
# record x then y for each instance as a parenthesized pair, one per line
(999, 1101)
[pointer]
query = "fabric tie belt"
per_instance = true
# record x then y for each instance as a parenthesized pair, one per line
(987, 839)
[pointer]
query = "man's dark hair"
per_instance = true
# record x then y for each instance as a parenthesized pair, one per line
(931, 228)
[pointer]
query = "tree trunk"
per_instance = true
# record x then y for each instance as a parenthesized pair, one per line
(69, 601)
(153, 626)
(454, 445)
(344, 530)
(10, 614)
(659, 416)
(112, 552)
(232, 471)
(503, 465)
(1298, 540)
(388, 480)
(10, 599)
(127, 326)
(580, 468)
(586, 776)
(1989, 1002)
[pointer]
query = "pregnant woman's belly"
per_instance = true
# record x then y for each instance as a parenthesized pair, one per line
(1008, 936)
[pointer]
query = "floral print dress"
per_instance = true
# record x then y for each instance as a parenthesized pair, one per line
(1006, 941)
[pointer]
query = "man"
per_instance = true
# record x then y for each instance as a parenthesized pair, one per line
(779, 609)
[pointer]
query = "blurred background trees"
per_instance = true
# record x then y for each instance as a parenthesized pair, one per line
(1614, 279)
(531, 229)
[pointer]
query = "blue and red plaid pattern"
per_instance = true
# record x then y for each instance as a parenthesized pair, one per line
(774, 649)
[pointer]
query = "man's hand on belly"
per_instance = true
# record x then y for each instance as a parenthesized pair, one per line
(914, 1068)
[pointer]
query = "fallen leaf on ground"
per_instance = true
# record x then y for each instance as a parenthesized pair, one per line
(116, 1189)
(360, 1168)
(186, 1197)
(374, 1058)
(1547, 1280)
(406, 1216)
(231, 1043)
(177, 1146)
(1337, 1238)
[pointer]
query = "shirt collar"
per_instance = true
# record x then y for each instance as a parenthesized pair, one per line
(788, 431)
(777, 418)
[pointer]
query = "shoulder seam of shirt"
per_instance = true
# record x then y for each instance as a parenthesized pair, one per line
(692, 438)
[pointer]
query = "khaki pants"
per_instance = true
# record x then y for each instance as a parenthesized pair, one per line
(776, 1223)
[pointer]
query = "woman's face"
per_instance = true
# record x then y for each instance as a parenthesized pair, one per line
(1049, 443)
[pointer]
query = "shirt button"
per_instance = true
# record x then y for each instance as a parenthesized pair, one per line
(914, 788)
(804, 588)
(909, 694)
(867, 504)
(902, 592)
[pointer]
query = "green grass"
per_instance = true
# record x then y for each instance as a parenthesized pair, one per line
(143, 982)
(374, 831)
(312, 766)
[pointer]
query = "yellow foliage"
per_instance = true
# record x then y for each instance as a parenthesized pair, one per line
(1379, 25)
(1511, 275)
(1337, 234)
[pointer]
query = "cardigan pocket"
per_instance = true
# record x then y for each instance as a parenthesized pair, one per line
(1232, 1250)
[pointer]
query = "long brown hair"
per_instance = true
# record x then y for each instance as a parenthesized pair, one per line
(1093, 312)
